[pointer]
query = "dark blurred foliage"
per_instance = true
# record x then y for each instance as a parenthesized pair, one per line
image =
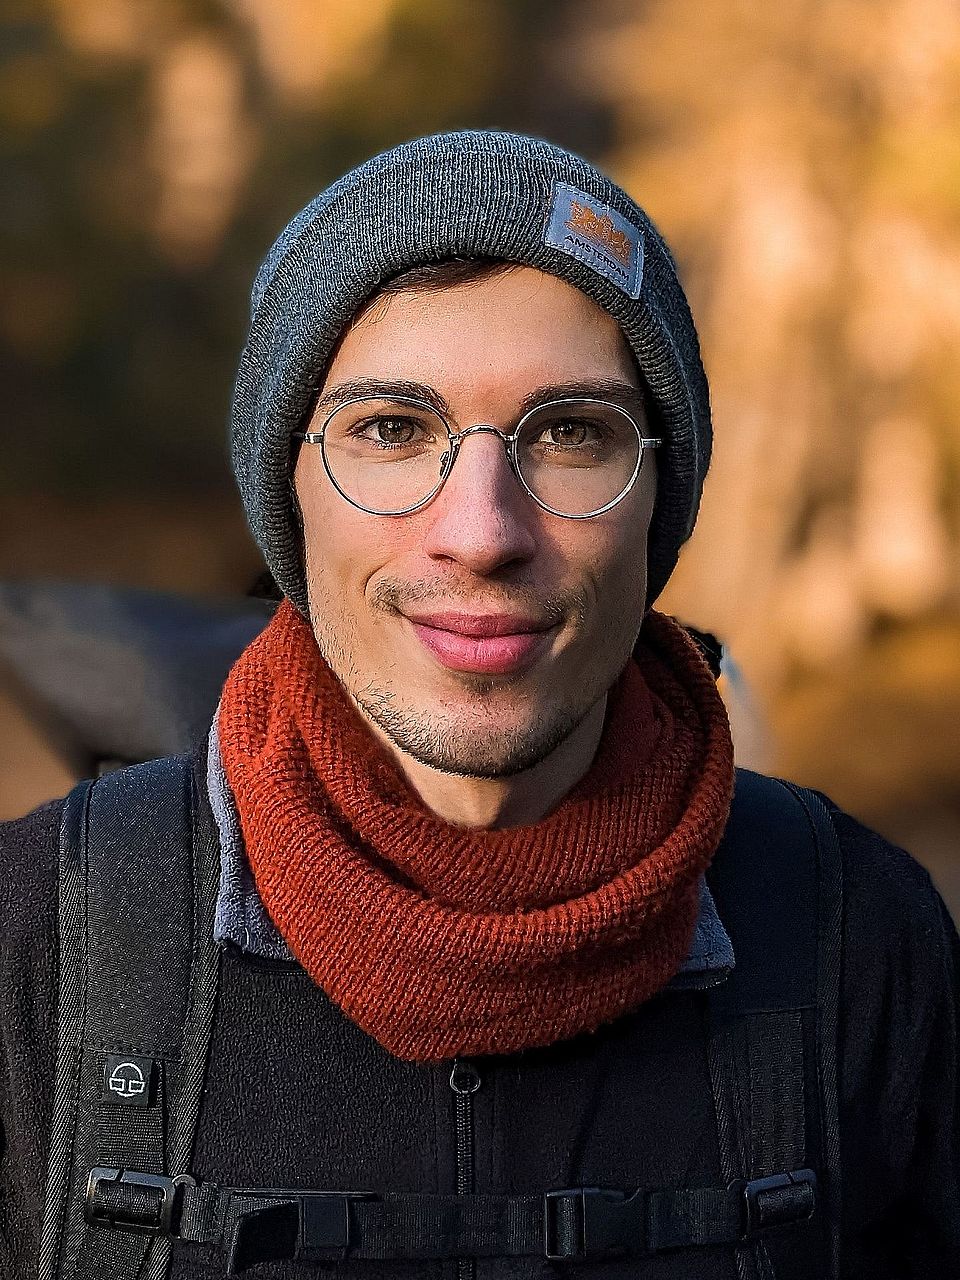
(116, 353)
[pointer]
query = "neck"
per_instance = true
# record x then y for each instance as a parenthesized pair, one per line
(514, 801)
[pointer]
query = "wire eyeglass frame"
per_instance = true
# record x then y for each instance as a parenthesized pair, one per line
(508, 439)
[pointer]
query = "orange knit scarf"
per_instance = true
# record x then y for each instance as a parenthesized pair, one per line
(440, 940)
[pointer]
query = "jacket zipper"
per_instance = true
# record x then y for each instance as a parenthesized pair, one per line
(464, 1081)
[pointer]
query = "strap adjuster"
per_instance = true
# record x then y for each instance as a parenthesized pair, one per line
(590, 1222)
(778, 1200)
(326, 1224)
(112, 1200)
(309, 1226)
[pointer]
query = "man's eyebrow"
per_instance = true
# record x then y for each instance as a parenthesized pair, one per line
(381, 390)
(626, 394)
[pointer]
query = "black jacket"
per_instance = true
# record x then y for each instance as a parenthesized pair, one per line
(295, 1087)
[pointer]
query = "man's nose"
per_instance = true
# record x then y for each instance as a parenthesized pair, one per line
(482, 518)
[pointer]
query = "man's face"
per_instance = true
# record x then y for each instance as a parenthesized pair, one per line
(477, 633)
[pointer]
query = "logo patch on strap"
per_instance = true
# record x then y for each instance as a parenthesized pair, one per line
(595, 234)
(128, 1080)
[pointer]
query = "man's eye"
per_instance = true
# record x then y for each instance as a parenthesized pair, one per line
(392, 430)
(569, 433)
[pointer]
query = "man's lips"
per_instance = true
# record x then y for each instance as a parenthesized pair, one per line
(480, 625)
(489, 643)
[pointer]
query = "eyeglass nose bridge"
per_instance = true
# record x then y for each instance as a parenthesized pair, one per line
(482, 426)
(457, 437)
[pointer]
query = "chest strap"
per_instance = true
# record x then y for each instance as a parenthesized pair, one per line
(565, 1225)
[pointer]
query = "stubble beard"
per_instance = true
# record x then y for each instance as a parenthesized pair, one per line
(446, 744)
(458, 742)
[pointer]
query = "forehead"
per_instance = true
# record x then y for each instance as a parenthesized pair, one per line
(489, 339)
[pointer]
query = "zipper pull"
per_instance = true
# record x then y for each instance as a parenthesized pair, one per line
(464, 1078)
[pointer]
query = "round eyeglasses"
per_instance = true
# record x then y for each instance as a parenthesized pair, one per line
(391, 456)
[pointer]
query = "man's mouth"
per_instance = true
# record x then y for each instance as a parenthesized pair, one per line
(488, 643)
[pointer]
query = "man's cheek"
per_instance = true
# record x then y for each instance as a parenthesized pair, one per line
(330, 626)
(622, 604)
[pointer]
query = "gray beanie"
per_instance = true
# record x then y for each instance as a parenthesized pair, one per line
(470, 194)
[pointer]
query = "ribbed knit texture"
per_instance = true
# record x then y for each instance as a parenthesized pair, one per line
(469, 194)
(441, 940)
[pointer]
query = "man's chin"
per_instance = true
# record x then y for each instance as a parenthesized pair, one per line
(455, 743)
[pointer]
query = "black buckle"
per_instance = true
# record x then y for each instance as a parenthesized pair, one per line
(766, 1205)
(590, 1222)
(105, 1216)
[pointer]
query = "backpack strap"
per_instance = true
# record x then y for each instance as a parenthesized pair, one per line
(138, 983)
(773, 1023)
(829, 968)
(252, 1225)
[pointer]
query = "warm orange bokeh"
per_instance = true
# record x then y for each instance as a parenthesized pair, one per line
(804, 161)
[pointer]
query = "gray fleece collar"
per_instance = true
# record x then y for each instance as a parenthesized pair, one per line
(241, 918)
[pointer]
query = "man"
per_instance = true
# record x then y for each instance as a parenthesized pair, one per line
(502, 981)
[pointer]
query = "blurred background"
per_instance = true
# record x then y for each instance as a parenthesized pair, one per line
(802, 158)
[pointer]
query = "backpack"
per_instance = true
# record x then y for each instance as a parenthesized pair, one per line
(136, 1006)
(117, 675)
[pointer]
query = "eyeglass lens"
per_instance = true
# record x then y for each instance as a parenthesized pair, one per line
(387, 456)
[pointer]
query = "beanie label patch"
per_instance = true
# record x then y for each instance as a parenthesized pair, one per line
(596, 235)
